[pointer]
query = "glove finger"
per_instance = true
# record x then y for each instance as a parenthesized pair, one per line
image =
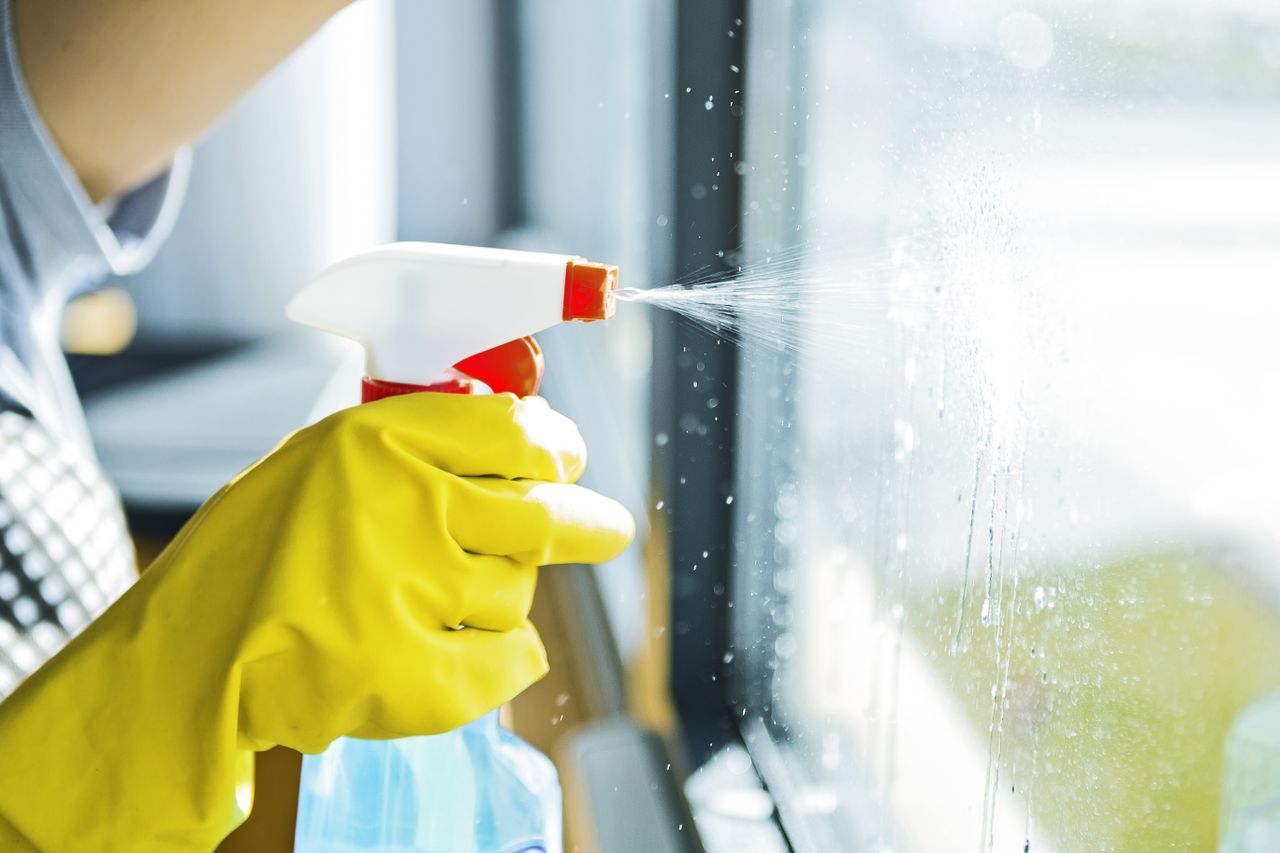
(499, 592)
(537, 523)
(472, 672)
(493, 435)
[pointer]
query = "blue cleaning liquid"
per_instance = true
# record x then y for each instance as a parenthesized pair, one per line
(479, 789)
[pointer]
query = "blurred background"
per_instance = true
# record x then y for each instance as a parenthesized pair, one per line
(988, 562)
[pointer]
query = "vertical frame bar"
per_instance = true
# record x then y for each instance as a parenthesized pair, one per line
(695, 395)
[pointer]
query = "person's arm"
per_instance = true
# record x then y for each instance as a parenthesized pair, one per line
(122, 84)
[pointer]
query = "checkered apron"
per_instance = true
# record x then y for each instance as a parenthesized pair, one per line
(65, 554)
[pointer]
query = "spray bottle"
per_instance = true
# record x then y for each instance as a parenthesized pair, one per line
(452, 319)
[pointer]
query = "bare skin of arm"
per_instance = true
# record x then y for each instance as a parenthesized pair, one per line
(123, 83)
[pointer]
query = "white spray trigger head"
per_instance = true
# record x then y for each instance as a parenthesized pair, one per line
(419, 308)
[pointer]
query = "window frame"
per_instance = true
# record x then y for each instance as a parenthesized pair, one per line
(693, 467)
(745, 55)
(722, 691)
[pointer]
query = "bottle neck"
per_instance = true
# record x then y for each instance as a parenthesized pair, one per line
(450, 382)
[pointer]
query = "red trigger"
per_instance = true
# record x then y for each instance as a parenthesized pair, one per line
(515, 366)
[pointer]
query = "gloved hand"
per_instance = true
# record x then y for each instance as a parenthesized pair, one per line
(371, 577)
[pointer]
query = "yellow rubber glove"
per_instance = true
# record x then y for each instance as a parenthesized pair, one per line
(371, 577)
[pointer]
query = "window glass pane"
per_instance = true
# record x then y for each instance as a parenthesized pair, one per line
(1024, 528)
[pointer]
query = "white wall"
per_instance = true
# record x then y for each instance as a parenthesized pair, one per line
(301, 171)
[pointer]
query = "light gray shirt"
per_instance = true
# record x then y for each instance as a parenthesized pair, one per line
(64, 552)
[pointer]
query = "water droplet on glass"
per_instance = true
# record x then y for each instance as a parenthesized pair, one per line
(1025, 40)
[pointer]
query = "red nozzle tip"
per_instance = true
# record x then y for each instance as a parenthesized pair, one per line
(590, 291)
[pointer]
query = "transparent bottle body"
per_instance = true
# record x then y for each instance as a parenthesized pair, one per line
(1251, 784)
(478, 789)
